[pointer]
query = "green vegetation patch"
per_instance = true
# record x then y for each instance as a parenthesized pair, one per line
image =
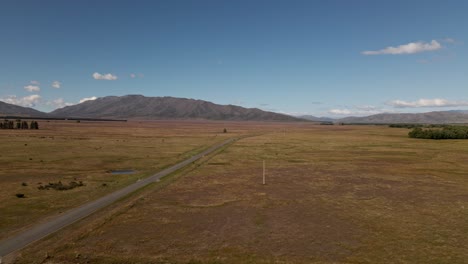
(446, 132)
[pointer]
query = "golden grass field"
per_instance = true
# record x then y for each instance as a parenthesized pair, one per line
(334, 194)
(69, 151)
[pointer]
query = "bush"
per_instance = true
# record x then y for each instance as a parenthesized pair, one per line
(59, 186)
(20, 195)
(445, 132)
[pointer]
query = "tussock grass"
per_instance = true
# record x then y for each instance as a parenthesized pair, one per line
(347, 194)
(72, 152)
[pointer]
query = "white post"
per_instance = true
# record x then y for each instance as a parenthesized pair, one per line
(264, 172)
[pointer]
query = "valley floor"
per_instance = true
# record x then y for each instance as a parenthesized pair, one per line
(333, 194)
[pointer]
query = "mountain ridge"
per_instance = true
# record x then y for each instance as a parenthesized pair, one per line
(434, 117)
(167, 107)
(7, 109)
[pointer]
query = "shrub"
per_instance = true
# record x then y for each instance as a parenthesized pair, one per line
(20, 195)
(445, 132)
(60, 186)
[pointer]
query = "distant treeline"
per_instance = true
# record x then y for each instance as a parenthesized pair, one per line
(442, 132)
(326, 123)
(406, 125)
(420, 125)
(18, 124)
(65, 118)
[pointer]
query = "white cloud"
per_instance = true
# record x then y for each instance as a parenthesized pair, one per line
(437, 102)
(295, 113)
(35, 82)
(88, 99)
(132, 75)
(32, 88)
(340, 111)
(367, 108)
(58, 103)
(107, 76)
(56, 84)
(410, 48)
(27, 101)
(360, 110)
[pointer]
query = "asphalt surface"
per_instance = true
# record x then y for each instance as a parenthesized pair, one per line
(42, 230)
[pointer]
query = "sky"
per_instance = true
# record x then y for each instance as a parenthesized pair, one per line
(316, 57)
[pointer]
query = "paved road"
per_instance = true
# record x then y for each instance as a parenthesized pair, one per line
(37, 232)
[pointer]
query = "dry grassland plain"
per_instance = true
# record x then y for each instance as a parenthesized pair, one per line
(68, 151)
(334, 194)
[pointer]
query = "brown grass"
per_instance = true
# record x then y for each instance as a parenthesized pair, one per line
(87, 151)
(339, 194)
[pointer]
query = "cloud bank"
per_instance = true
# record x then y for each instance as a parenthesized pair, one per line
(27, 101)
(359, 110)
(58, 103)
(108, 76)
(437, 102)
(410, 48)
(340, 111)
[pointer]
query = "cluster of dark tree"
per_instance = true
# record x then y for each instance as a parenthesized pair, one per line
(326, 123)
(405, 125)
(445, 132)
(60, 186)
(18, 124)
(419, 125)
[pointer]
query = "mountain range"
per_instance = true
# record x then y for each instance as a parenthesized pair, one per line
(153, 108)
(141, 107)
(437, 117)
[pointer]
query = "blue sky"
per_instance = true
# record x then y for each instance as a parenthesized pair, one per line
(325, 58)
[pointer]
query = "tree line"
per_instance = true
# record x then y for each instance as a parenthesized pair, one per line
(445, 132)
(18, 124)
